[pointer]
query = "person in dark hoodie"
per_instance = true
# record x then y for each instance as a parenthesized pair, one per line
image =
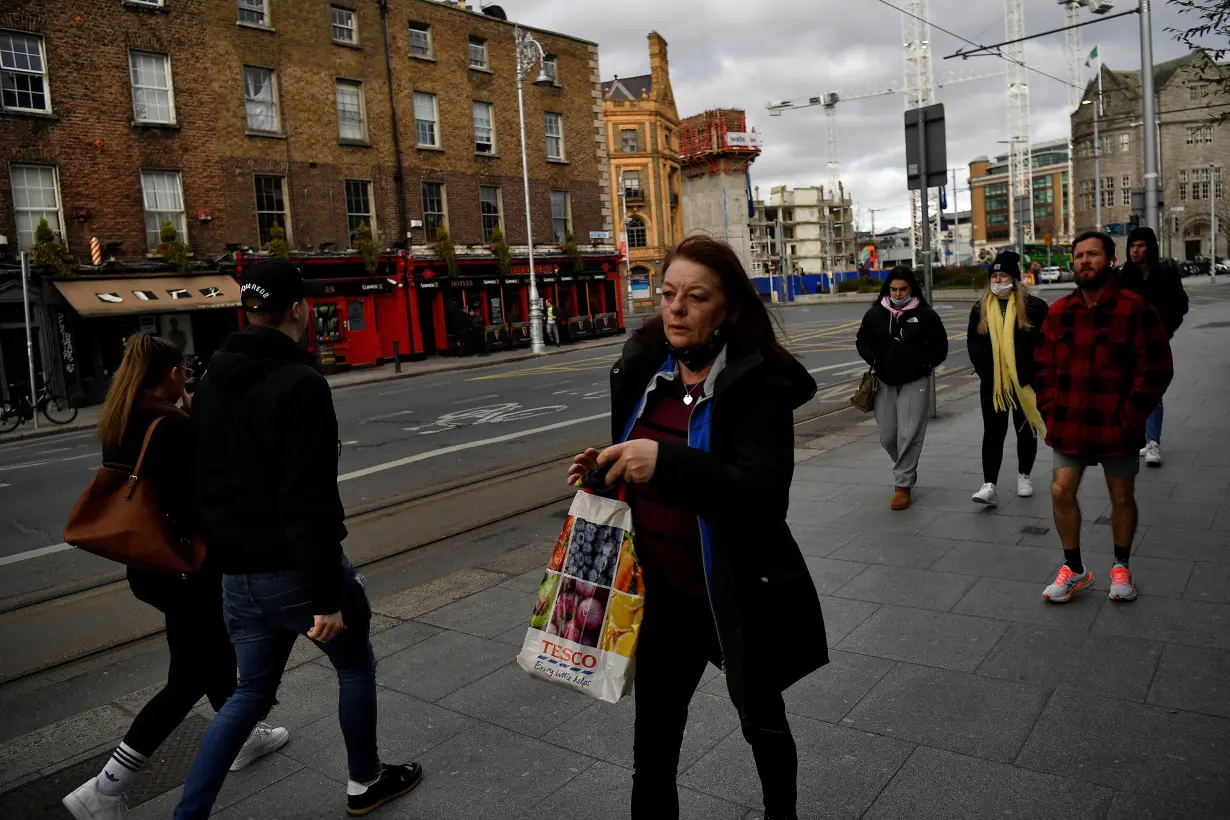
(702, 404)
(265, 491)
(149, 386)
(1157, 282)
(904, 340)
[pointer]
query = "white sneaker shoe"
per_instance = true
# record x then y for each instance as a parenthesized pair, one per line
(1024, 487)
(88, 803)
(1153, 454)
(264, 740)
(987, 495)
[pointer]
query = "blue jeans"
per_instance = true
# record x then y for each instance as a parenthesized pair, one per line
(265, 612)
(1153, 427)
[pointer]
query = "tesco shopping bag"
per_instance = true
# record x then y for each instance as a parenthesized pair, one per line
(585, 622)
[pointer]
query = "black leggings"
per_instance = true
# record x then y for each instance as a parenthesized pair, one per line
(202, 663)
(676, 641)
(994, 428)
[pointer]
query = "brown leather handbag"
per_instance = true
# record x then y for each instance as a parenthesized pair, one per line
(120, 517)
(864, 397)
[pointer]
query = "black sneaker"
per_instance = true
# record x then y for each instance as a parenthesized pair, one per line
(394, 781)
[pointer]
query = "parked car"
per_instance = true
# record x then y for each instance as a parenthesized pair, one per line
(1067, 275)
(1050, 275)
(1199, 267)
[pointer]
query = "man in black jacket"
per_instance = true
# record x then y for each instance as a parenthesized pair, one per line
(1157, 282)
(266, 492)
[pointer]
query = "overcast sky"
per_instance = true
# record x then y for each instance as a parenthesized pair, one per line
(735, 53)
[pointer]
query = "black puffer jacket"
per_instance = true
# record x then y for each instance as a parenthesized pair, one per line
(906, 351)
(1024, 341)
(1156, 281)
(266, 464)
(767, 612)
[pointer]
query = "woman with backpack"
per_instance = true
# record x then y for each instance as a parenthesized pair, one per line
(1004, 329)
(150, 385)
(903, 339)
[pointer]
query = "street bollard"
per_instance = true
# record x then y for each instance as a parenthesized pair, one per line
(396, 357)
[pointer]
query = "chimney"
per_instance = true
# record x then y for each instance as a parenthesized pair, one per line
(659, 66)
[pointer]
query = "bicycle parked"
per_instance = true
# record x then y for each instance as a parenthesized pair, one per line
(18, 409)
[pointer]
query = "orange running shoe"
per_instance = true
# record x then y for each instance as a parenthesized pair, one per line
(1122, 584)
(1066, 584)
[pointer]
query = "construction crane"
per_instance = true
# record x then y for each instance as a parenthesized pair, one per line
(1076, 87)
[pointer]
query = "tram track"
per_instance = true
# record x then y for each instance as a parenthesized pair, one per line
(381, 529)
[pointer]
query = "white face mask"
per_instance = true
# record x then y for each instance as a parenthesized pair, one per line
(1001, 288)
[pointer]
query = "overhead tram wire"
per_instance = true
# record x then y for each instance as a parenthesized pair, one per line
(967, 41)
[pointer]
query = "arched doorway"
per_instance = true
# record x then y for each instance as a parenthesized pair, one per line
(1196, 239)
(641, 279)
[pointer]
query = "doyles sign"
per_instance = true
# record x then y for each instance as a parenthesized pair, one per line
(66, 345)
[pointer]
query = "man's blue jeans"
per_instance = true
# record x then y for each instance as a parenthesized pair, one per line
(265, 612)
(1153, 427)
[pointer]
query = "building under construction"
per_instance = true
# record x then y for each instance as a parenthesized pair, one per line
(716, 150)
(817, 231)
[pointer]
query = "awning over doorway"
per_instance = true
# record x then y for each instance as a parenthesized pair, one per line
(153, 294)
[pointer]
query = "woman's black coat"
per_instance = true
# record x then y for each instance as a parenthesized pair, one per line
(766, 607)
(1025, 341)
(915, 345)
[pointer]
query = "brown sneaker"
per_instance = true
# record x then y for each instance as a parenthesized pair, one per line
(901, 498)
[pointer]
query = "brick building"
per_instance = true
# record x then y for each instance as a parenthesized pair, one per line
(1194, 151)
(227, 116)
(991, 188)
(641, 121)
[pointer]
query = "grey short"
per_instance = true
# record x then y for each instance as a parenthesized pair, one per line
(1113, 466)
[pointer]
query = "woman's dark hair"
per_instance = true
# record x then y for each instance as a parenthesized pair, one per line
(147, 358)
(1108, 244)
(906, 274)
(751, 326)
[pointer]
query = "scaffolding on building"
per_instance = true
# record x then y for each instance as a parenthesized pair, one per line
(717, 142)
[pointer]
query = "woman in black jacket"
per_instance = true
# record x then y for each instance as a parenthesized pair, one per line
(903, 339)
(702, 404)
(150, 385)
(1004, 329)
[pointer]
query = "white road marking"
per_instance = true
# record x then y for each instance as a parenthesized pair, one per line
(398, 390)
(9, 467)
(392, 415)
(836, 366)
(37, 553)
(349, 443)
(59, 437)
(3, 485)
(477, 398)
(42, 453)
(469, 445)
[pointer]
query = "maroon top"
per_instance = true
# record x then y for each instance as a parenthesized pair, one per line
(667, 536)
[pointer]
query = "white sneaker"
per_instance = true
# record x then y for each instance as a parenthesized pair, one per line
(264, 740)
(987, 495)
(88, 803)
(1024, 487)
(1153, 454)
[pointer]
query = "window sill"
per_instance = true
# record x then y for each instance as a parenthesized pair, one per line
(344, 44)
(272, 135)
(422, 58)
(430, 148)
(355, 143)
(155, 126)
(34, 115)
(482, 69)
(159, 8)
(557, 161)
(487, 154)
(255, 26)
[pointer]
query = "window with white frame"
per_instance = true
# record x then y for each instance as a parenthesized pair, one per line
(553, 125)
(632, 184)
(420, 40)
(154, 4)
(434, 211)
(1125, 143)
(359, 208)
(36, 196)
(1107, 144)
(254, 12)
(23, 73)
(260, 99)
(345, 25)
(1200, 135)
(484, 128)
(1127, 190)
(1108, 192)
(1217, 183)
(550, 67)
(637, 235)
(560, 220)
(164, 202)
(1183, 186)
(425, 117)
(1198, 91)
(489, 208)
(351, 119)
(628, 143)
(478, 53)
(152, 97)
(270, 206)
(1201, 183)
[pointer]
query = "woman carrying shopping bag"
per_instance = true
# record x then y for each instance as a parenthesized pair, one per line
(148, 387)
(1004, 329)
(904, 340)
(702, 404)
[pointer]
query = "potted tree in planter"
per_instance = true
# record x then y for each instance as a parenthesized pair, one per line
(171, 248)
(366, 246)
(573, 252)
(446, 252)
(499, 246)
(47, 254)
(277, 242)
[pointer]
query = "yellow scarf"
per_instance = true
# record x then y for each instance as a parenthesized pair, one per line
(1006, 381)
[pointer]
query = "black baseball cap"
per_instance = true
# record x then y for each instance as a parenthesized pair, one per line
(273, 285)
(1008, 262)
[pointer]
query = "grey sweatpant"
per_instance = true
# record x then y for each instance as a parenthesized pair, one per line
(901, 415)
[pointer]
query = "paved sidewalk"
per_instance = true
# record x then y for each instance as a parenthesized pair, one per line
(954, 690)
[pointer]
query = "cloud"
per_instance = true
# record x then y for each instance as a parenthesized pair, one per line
(725, 53)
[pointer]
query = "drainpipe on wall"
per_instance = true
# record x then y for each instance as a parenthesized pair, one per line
(400, 178)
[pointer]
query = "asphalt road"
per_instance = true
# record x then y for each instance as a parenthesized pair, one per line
(409, 437)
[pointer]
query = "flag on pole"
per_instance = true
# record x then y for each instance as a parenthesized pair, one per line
(1093, 55)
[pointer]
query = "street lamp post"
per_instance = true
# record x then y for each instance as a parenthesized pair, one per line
(529, 51)
(1212, 223)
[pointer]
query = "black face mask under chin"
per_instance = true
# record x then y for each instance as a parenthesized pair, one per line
(701, 355)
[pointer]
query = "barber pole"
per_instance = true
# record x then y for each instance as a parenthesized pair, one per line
(95, 250)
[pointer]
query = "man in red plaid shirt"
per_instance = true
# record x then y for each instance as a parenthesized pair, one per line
(1102, 366)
